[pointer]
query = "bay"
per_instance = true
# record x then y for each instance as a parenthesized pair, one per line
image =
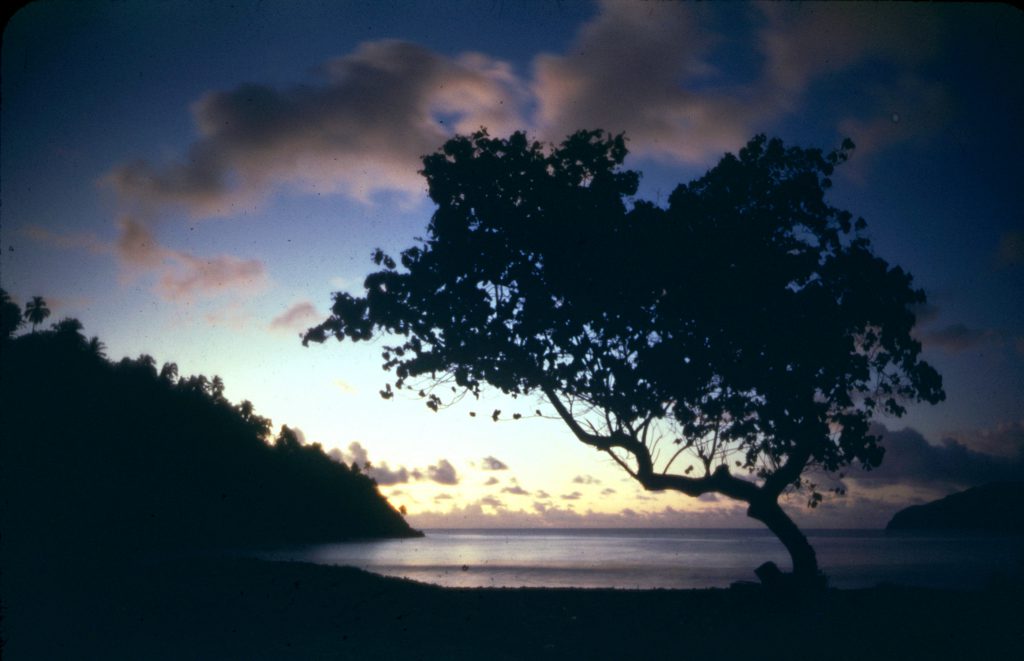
(671, 558)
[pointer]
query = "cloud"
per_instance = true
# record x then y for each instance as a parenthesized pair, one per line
(607, 491)
(636, 68)
(1005, 439)
(492, 464)
(658, 71)
(443, 473)
(575, 495)
(542, 494)
(382, 473)
(233, 315)
(491, 481)
(357, 454)
(209, 275)
(585, 479)
(802, 44)
(912, 460)
(490, 512)
(386, 476)
(491, 501)
(297, 317)
(182, 275)
(957, 337)
(359, 129)
(516, 491)
(653, 71)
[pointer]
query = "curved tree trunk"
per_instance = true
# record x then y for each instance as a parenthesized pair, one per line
(805, 562)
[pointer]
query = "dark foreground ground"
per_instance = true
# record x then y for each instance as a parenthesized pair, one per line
(247, 609)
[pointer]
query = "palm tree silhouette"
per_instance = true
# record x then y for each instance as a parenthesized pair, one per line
(36, 311)
(97, 347)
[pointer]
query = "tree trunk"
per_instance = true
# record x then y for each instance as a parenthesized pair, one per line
(805, 562)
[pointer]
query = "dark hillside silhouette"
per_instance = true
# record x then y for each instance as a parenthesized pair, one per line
(982, 508)
(100, 457)
(748, 326)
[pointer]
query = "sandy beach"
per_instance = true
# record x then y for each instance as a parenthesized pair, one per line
(248, 609)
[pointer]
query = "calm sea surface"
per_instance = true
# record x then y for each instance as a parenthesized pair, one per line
(687, 558)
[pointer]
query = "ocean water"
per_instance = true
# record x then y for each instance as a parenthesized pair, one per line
(676, 558)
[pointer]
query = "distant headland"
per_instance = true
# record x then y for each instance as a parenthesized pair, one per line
(982, 508)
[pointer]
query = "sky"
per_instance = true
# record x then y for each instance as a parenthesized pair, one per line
(192, 180)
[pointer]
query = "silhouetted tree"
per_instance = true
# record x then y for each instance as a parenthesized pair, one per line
(169, 372)
(97, 347)
(217, 388)
(36, 311)
(10, 315)
(70, 329)
(746, 326)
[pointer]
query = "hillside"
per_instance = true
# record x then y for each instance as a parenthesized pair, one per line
(98, 456)
(980, 508)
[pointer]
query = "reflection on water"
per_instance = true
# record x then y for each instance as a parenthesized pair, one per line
(694, 558)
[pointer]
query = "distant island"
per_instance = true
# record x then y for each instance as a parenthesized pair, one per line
(993, 507)
(109, 459)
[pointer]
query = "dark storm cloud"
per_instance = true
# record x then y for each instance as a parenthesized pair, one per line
(911, 460)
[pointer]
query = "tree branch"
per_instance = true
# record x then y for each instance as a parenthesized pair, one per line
(721, 481)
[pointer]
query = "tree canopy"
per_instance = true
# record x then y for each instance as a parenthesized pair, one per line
(746, 325)
(36, 311)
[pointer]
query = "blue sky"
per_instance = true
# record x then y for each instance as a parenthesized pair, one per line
(193, 179)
